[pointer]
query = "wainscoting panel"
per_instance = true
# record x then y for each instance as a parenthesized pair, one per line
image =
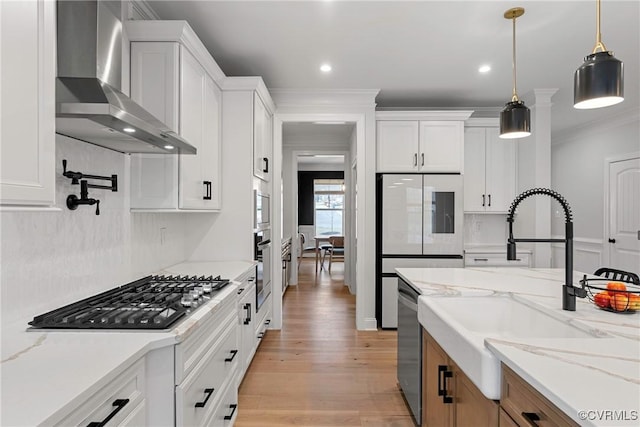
(587, 254)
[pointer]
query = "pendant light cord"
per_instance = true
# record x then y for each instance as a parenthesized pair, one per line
(514, 97)
(599, 44)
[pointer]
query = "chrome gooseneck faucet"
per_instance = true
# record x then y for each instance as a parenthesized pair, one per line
(569, 292)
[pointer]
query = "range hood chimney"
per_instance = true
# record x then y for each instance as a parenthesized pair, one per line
(89, 104)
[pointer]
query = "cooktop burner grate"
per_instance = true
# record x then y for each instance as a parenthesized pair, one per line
(153, 302)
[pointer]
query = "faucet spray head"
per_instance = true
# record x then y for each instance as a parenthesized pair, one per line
(511, 251)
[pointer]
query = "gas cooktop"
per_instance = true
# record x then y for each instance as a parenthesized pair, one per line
(153, 302)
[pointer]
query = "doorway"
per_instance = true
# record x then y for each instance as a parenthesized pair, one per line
(622, 214)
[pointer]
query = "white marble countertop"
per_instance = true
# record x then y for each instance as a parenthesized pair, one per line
(594, 375)
(46, 374)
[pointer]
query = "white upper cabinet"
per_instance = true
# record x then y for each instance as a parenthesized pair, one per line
(27, 34)
(262, 139)
(420, 141)
(490, 171)
(175, 84)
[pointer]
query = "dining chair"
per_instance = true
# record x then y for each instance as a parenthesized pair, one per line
(304, 249)
(336, 248)
(614, 274)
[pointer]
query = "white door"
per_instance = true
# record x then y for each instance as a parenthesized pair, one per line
(624, 215)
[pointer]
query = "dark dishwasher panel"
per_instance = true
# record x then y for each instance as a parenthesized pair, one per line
(410, 349)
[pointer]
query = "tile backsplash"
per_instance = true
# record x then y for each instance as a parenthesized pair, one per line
(485, 229)
(52, 258)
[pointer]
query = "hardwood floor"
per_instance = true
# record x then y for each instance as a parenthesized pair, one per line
(319, 370)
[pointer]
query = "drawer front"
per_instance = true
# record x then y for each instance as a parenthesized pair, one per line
(115, 402)
(198, 394)
(189, 352)
(137, 417)
(496, 260)
(226, 411)
(506, 420)
(527, 406)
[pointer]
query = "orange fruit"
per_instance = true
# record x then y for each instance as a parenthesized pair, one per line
(634, 302)
(619, 302)
(614, 287)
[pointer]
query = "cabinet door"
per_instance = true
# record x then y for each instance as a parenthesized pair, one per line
(402, 214)
(27, 125)
(267, 146)
(260, 161)
(211, 150)
(155, 85)
(472, 408)
(501, 171)
(397, 146)
(441, 146)
(435, 413)
(247, 319)
(192, 90)
(475, 199)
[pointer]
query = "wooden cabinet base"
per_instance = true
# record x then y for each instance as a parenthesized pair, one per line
(526, 406)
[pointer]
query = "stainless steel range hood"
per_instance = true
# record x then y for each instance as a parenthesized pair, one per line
(89, 104)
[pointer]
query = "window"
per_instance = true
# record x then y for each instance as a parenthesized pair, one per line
(328, 206)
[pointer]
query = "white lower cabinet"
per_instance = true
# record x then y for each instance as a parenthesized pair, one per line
(202, 390)
(479, 259)
(246, 321)
(226, 412)
(119, 403)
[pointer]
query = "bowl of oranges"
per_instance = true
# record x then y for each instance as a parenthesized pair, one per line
(616, 296)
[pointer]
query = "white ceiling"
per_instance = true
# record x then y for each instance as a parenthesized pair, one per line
(419, 53)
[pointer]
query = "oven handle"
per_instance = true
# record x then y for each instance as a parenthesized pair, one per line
(264, 243)
(407, 302)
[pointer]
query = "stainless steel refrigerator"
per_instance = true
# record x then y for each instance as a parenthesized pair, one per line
(419, 224)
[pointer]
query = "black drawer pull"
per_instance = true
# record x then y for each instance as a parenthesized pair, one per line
(443, 374)
(247, 307)
(208, 392)
(266, 164)
(267, 322)
(119, 404)
(233, 355)
(233, 408)
(241, 290)
(481, 259)
(260, 335)
(531, 418)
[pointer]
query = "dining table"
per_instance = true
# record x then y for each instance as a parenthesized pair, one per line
(319, 239)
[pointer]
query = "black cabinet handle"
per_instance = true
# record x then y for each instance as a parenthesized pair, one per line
(207, 190)
(612, 240)
(233, 356)
(489, 199)
(422, 155)
(531, 418)
(208, 392)
(261, 335)
(266, 164)
(415, 159)
(483, 200)
(267, 322)
(247, 307)
(443, 374)
(481, 259)
(241, 290)
(119, 404)
(233, 407)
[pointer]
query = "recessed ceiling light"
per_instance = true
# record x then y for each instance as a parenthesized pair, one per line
(325, 68)
(169, 147)
(484, 68)
(129, 130)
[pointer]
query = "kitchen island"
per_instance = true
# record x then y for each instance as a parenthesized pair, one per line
(594, 380)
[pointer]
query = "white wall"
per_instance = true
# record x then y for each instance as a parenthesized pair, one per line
(52, 258)
(577, 172)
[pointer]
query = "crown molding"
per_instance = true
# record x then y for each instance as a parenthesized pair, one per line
(250, 83)
(603, 124)
(482, 122)
(144, 9)
(424, 115)
(178, 32)
(324, 97)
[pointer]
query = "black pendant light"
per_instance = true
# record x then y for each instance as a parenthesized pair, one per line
(599, 82)
(515, 119)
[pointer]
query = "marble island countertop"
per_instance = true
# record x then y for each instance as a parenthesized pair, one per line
(46, 374)
(595, 374)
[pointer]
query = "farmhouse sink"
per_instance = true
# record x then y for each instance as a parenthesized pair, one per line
(460, 324)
